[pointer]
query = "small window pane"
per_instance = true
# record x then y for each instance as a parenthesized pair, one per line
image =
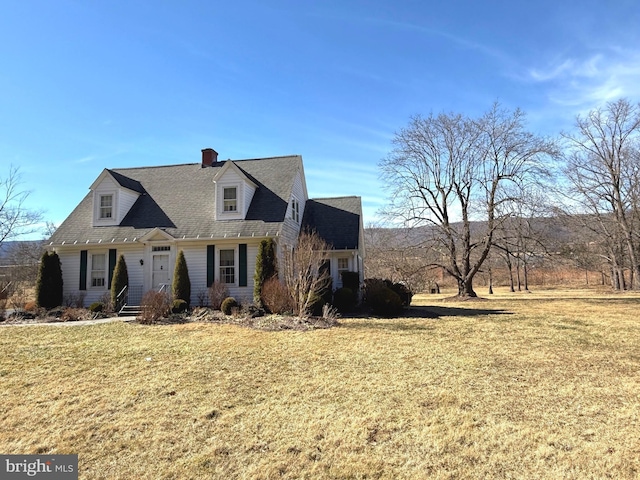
(98, 270)
(106, 206)
(230, 199)
(227, 266)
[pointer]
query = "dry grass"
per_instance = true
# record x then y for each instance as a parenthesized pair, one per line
(540, 385)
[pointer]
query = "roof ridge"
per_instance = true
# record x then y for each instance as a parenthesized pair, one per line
(198, 163)
(153, 166)
(339, 196)
(263, 158)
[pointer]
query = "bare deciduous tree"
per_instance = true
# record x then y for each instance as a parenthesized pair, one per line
(304, 271)
(15, 218)
(448, 170)
(603, 165)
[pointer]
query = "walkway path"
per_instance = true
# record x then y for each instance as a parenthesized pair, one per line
(67, 324)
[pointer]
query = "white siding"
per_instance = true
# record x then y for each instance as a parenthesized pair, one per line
(126, 199)
(132, 255)
(291, 228)
(196, 258)
(249, 190)
(140, 275)
(70, 261)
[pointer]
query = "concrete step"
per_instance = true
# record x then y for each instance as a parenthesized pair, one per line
(129, 311)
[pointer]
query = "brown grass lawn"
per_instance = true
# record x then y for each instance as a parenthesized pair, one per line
(541, 385)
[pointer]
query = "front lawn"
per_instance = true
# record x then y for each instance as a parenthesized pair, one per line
(541, 385)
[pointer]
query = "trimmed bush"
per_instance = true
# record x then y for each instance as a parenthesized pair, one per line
(96, 307)
(380, 297)
(386, 303)
(181, 284)
(403, 292)
(351, 280)
(49, 283)
(179, 306)
(371, 286)
(119, 280)
(228, 305)
(344, 300)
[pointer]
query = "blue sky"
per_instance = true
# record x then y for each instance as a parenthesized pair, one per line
(87, 85)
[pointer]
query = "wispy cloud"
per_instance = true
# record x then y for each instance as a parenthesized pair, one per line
(591, 81)
(456, 39)
(85, 159)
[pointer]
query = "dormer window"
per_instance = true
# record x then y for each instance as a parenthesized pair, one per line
(106, 207)
(230, 199)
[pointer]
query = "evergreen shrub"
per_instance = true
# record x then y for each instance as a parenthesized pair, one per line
(181, 283)
(96, 307)
(344, 300)
(228, 305)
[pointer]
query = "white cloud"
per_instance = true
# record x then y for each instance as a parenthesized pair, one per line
(552, 72)
(590, 82)
(86, 159)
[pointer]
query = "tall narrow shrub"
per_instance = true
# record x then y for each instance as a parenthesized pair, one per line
(181, 283)
(119, 280)
(49, 282)
(266, 267)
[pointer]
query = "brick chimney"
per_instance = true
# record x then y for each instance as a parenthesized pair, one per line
(209, 157)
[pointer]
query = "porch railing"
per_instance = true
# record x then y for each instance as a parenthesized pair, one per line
(122, 298)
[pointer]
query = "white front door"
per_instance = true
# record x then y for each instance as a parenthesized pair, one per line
(160, 272)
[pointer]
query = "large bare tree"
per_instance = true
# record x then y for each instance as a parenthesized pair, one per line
(602, 166)
(447, 170)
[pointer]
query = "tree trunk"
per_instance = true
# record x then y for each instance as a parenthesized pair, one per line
(490, 282)
(465, 288)
(507, 260)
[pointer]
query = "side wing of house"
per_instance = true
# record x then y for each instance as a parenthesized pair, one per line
(339, 222)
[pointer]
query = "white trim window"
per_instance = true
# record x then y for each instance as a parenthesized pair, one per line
(230, 199)
(98, 270)
(343, 265)
(295, 210)
(227, 266)
(106, 207)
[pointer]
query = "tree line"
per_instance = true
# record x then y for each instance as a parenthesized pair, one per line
(465, 193)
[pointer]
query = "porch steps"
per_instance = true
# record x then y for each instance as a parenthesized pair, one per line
(129, 311)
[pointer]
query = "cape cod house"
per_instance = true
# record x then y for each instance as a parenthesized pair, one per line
(216, 212)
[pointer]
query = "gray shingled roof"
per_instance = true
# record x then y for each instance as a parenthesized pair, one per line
(180, 200)
(126, 182)
(336, 220)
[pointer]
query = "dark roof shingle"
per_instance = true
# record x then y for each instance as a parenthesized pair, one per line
(180, 199)
(336, 220)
